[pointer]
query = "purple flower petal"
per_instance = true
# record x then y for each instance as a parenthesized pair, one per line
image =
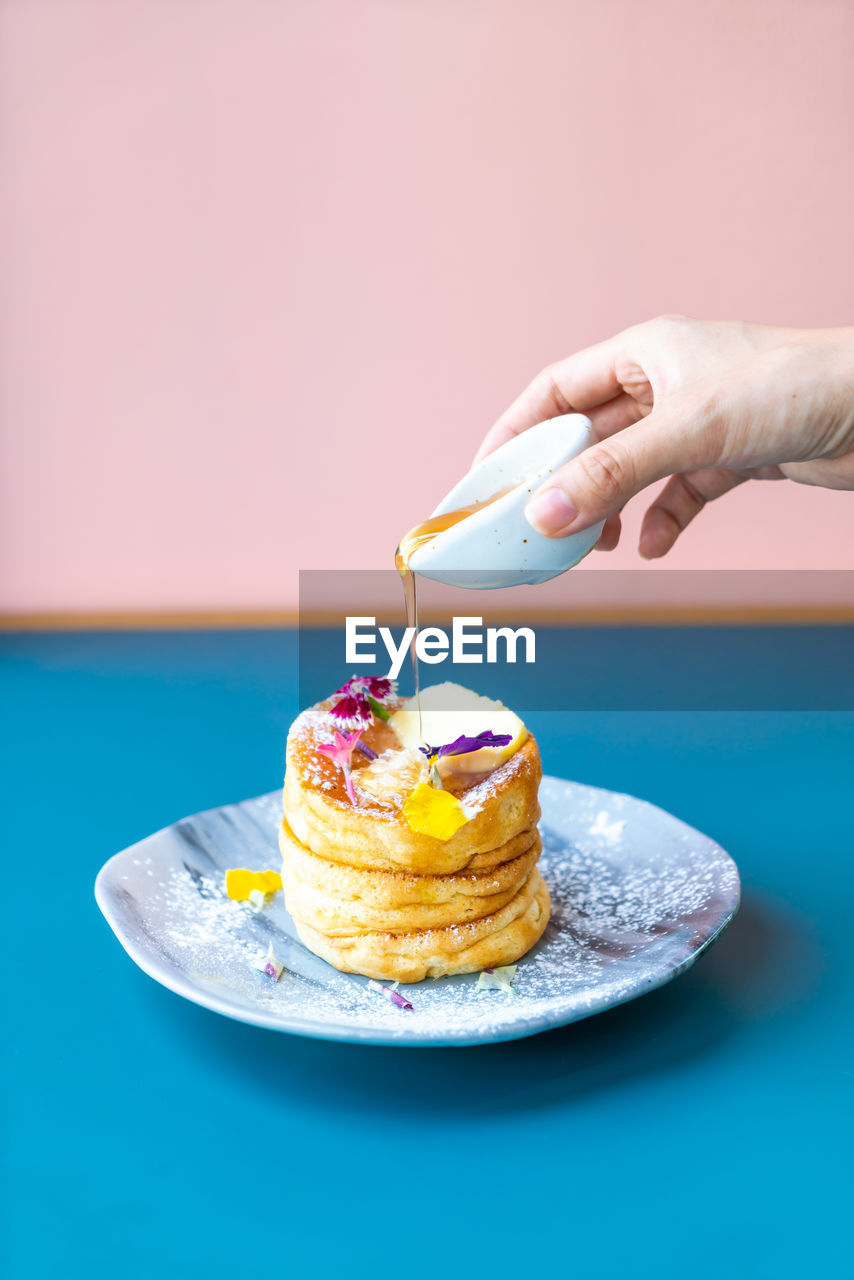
(394, 996)
(462, 746)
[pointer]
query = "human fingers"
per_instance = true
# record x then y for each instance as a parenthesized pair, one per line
(683, 498)
(680, 501)
(684, 435)
(575, 384)
(609, 538)
(617, 414)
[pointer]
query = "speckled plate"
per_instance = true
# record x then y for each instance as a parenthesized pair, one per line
(637, 896)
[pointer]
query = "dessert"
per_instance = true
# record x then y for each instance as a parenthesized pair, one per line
(409, 838)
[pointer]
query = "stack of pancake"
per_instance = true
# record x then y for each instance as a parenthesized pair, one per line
(373, 896)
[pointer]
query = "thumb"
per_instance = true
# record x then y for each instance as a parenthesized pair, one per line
(601, 480)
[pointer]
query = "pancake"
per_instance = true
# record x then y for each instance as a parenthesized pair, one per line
(374, 836)
(338, 900)
(372, 896)
(494, 940)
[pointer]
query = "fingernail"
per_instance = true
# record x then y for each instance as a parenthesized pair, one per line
(549, 511)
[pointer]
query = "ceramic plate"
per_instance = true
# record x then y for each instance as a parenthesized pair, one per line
(636, 896)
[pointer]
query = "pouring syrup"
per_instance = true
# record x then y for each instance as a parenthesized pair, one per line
(410, 543)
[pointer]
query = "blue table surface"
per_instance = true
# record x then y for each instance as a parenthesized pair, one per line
(703, 1130)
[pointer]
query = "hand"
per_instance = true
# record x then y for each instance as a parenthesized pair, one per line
(709, 404)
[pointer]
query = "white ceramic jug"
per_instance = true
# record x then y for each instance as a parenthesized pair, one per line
(495, 546)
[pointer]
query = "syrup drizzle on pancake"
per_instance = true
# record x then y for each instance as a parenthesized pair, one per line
(409, 544)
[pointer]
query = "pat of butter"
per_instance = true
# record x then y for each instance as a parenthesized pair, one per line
(449, 711)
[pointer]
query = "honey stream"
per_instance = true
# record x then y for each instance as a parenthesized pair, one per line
(409, 544)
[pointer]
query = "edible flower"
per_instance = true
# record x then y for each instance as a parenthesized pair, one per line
(268, 964)
(351, 712)
(341, 751)
(360, 699)
(500, 979)
(434, 813)
(241, 883)
(462, 745)
(390, 993)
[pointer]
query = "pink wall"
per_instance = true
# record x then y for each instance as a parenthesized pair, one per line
(270, 269)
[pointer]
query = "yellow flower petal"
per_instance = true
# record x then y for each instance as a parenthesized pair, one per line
(433, 813)
(239, 882)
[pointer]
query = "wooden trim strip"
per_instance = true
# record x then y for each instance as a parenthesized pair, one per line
(714, 615)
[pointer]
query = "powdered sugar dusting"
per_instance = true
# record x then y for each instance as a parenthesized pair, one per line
(635, 896)
(609, 831)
